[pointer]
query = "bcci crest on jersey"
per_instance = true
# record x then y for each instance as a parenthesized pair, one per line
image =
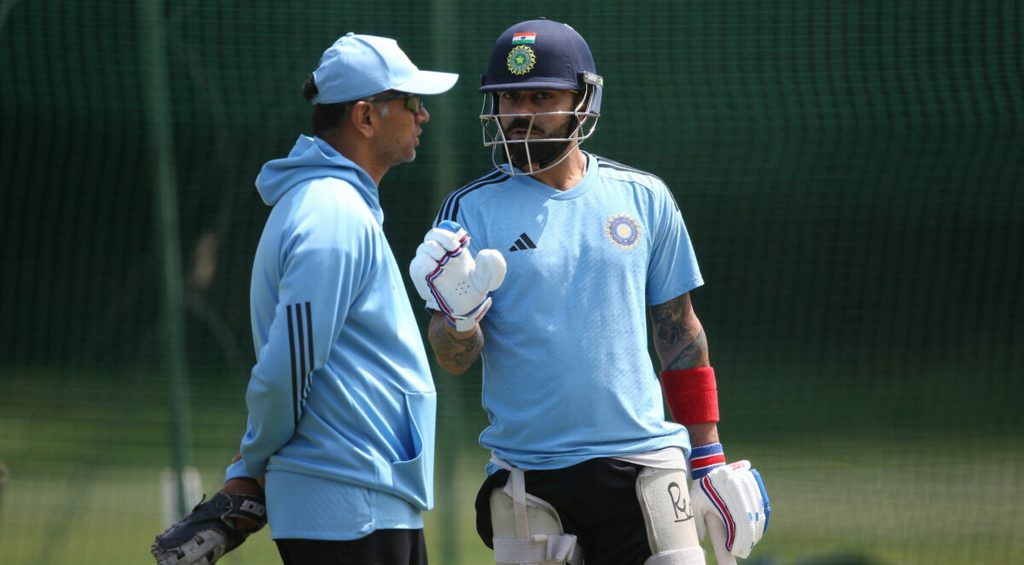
(623, 230)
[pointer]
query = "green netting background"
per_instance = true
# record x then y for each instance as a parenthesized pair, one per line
(850, 172)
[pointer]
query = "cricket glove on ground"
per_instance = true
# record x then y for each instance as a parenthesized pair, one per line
(210, 530)
(733, 494)
(450, 280)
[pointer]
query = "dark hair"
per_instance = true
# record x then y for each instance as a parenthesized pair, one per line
(327, 118)
(309, 89)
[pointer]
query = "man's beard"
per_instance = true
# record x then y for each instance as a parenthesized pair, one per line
(541, 152)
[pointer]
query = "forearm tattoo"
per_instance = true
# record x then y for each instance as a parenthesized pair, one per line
(454, 353)
(679, 337)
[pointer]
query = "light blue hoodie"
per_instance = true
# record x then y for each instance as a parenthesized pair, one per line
(341, 402)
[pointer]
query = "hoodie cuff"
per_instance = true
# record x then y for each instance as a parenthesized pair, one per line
(239, 470)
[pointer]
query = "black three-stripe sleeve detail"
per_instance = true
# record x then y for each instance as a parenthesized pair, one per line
(291, 350)
(300, 348)
(528, 241)
(309, 345)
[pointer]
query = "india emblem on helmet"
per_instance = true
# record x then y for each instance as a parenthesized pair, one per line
(521, 60)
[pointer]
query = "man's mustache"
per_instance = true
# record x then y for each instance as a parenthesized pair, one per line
(524, 123)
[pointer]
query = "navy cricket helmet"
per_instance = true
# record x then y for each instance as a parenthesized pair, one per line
(539, 54)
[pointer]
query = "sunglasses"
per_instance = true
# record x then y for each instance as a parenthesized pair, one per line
(413, 102)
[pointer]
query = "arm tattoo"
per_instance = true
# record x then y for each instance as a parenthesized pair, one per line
(455, 354)
(679, 337)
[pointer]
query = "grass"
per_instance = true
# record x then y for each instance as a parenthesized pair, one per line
(85, 462)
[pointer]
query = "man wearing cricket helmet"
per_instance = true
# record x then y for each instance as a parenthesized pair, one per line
(571, 251)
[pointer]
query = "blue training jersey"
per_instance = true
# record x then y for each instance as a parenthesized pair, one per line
(567, 375)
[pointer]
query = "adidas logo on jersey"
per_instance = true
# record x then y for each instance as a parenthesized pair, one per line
(522, 243)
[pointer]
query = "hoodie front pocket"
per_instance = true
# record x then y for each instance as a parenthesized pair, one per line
(414, 478)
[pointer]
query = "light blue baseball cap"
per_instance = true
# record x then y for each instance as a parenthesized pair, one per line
(358, 66)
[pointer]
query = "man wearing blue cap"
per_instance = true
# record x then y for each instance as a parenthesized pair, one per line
(339, 444)
(572, 251)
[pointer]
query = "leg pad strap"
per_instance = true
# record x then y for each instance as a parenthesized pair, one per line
(527, 529)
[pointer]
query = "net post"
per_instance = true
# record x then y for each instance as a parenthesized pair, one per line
(157, 104)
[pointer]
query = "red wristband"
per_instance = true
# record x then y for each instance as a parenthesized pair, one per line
(692, 395)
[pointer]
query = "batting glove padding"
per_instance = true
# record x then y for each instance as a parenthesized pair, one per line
(450, 280)
(735, 496)
(210, 530)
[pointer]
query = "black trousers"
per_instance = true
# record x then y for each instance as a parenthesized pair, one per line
(382, 547)
(596, 500)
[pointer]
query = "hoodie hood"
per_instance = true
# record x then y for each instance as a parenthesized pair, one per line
(313, 158)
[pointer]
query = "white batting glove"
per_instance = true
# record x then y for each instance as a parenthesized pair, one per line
(450, 280)
(436, 246)
(732, 495)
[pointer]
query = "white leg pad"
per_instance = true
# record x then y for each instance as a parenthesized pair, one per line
(690, 556)
(671, 530)
(527, 530)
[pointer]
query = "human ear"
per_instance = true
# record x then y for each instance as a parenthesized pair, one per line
(362, 118)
